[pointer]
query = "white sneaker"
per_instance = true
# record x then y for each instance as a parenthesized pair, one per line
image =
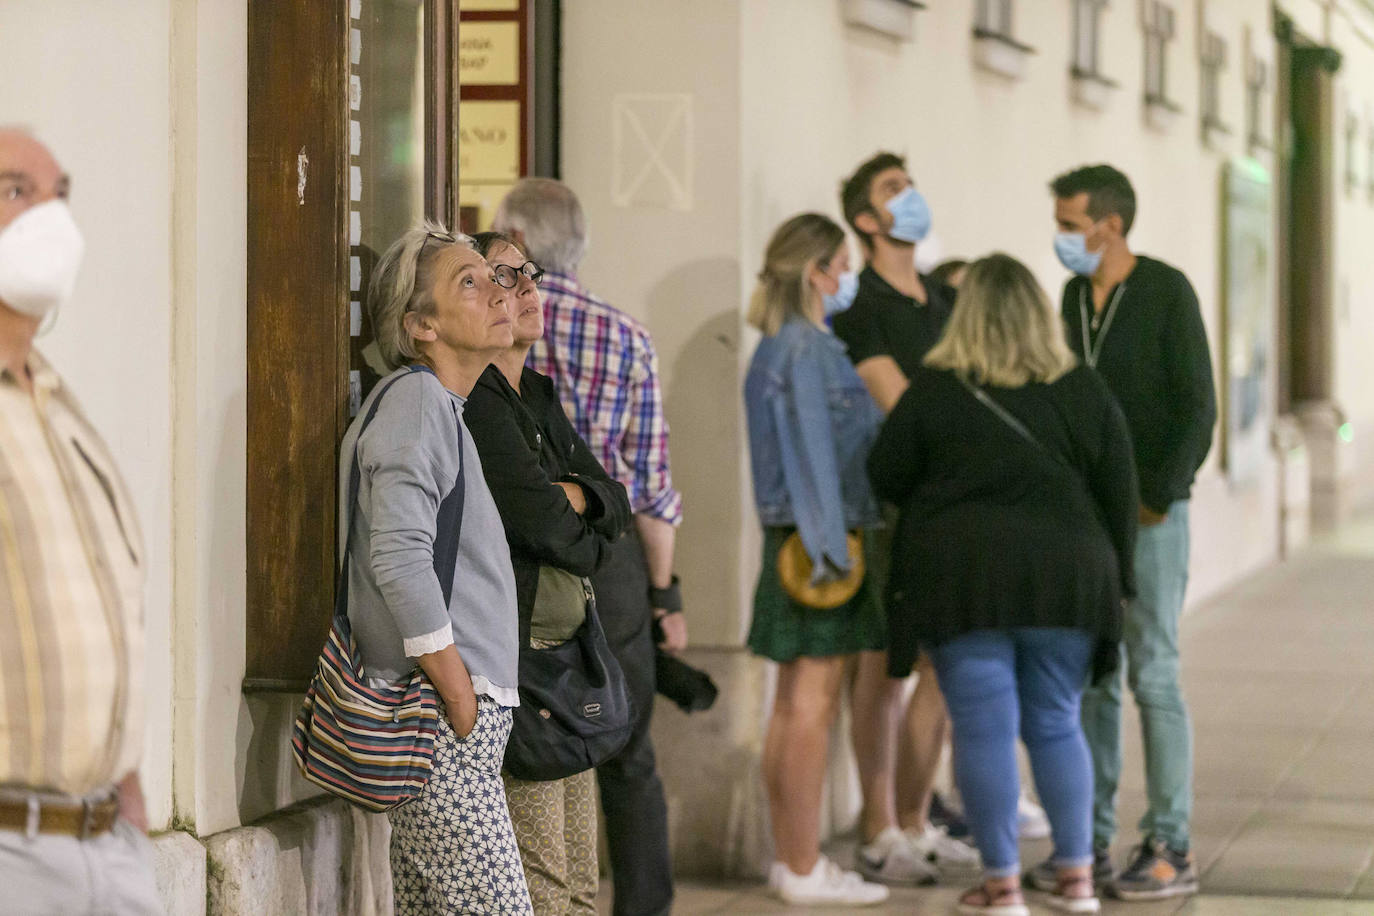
(1031, 821)
(937, 847)
(891, 859)
(827, 884)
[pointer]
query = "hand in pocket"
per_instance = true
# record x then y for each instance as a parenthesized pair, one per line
(462, 715)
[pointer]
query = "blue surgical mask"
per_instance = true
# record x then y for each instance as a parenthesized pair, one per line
(841, 299)
(1072, 248)
(911, 216)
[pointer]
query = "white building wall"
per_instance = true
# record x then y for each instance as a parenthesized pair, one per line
(820, 96)
(144, 102)
(666, 250)
(92, 81)
(1353, 35)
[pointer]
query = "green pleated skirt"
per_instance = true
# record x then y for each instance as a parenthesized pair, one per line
(783, 630)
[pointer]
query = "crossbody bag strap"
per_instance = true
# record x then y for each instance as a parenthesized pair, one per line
(355, 476)
(1007, 417)
(448, 522)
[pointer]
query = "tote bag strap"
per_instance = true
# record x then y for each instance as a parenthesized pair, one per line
(449, 520)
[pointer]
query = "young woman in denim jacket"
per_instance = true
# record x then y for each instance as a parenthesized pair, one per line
(811, 424)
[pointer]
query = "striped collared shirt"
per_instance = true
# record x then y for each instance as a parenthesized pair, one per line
(604, 366)
(71, 605)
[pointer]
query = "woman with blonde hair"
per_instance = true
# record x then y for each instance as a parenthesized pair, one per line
(1013, 471)
(811, 422)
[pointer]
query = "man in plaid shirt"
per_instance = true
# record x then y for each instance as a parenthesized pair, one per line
(604, 366)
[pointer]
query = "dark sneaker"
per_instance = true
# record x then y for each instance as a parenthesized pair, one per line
(943, 814)
(1156, 872)
(1045, 877)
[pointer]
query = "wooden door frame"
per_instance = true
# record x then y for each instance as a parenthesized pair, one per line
(297, 386)
(299, 343)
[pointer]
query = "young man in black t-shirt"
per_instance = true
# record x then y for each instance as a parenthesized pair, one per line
(896, 317)
(1136, 321)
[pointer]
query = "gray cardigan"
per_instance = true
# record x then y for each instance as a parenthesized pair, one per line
(409, 459)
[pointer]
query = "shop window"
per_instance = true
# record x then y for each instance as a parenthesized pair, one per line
(495, 111)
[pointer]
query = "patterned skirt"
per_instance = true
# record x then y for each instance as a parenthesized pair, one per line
(453, 849)
(783, 630)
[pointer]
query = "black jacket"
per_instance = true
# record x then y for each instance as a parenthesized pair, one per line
(527, 445)
(1154, 357)
(996, 533)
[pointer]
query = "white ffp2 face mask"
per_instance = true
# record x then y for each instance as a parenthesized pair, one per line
(40, 254)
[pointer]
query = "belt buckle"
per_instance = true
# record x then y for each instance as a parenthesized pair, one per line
(34, 818)
(87, 818)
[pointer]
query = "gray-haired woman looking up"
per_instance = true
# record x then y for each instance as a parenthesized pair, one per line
(415, 597)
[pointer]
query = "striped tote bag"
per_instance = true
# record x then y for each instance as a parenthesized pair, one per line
(373, 746)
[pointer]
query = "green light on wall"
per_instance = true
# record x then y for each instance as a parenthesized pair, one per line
(1346, 432)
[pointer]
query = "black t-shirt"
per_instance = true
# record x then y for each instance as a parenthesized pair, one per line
(885, 322)
(1151, 349)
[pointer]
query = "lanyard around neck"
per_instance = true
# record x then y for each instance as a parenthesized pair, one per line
(1092, 351)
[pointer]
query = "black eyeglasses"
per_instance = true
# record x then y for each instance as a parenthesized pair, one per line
(508, 276)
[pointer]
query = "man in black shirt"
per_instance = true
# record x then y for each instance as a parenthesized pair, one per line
(1136, 321)
(897, 316)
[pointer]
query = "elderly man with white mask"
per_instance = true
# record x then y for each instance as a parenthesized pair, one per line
(72, 817)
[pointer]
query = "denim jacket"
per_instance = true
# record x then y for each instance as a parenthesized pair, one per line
(811, 425)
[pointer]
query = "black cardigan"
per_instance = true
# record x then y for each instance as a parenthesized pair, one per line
(1154, 358)
(527, 445)
(994, 532)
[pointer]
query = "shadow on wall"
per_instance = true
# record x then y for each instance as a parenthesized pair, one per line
(698, 304)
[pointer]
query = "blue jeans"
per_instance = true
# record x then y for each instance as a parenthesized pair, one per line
(1028, 680)
(1152, 671)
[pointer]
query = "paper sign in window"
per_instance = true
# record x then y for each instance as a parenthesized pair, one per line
(489, 54)
(489, 139)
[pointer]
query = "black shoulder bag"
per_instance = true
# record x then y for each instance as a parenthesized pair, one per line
(575, 711)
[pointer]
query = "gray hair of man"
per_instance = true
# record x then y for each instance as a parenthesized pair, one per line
(546, 215)
(401, 283)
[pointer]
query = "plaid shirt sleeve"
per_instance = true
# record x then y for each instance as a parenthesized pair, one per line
(644, 444)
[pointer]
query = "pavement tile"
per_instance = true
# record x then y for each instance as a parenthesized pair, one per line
(1338, 767)
(1247, 760)
(1280, 685)
(1273, 906)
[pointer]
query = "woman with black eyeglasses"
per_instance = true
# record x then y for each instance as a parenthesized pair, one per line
(561, 513)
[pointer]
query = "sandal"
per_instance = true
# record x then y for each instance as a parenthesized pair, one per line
(984, 900)
(1075, 894)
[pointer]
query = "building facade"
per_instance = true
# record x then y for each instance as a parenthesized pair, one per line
(690, 130)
